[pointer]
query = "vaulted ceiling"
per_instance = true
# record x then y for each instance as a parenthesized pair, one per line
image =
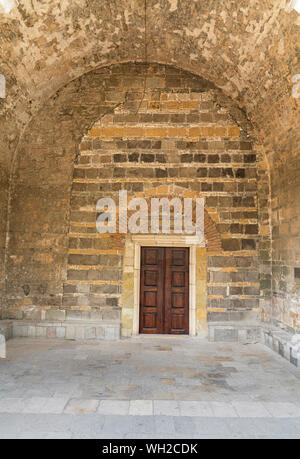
(248, 48)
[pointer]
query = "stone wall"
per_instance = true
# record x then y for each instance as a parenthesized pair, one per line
(156, 125)
(286, 237)
(249, 49)
(3, 220)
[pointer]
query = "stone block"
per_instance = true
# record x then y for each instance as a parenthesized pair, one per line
(51, 332)
(60, 332)
(83, 301)
(55, 314)
(33, 314)
(112, 333)
(40, 332)
(276, 345)
(73, 315)
(2, 347)
(13, 314)
(70, 332)
(251, 334)
(294, 360)
(287, 351)
(242, 335)
(127, 318)
(83, 288)
(100, 332)
(96, 315)
(20, 330)
(90, 333)
(112, 315)
(254, 334)
(79, 332)
(128, 299)
(225, 334)
(6, 329)
(31, 331)
(126, 332)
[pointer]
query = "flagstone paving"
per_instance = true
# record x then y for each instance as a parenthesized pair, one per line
(146, 387)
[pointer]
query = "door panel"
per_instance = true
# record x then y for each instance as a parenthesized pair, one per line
(164, 293)
(151, 292)
(177, 291)
(150, 278)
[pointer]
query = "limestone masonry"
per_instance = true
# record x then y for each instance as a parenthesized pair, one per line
(212, 115)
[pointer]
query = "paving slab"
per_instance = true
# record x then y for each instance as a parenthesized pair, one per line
(166, 408)
(282, 410)
(202, 409)
(114, 407)
(80, 406)
(223, 410)
(141, 407)
(146, 388)
(251, 410)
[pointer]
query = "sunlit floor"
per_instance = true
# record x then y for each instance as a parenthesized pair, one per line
(152, 387)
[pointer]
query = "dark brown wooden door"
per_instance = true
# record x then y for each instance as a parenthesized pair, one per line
(164, 292)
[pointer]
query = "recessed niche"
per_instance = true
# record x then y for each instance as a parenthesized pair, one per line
(297, 273)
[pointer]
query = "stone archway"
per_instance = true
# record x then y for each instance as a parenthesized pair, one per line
(56, 91)
(149, 143)
(179, 130)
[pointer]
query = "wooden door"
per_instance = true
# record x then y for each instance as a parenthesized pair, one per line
(164, 292)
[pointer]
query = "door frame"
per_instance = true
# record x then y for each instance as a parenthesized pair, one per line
(163, 241)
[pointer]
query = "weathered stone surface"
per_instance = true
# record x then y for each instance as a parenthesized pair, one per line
(94, 274)
(249, 51)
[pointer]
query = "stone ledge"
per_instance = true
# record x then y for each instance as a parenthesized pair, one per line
(284, 343)
(247, 317)
(234, 332)
(37, 314)
(74, 330)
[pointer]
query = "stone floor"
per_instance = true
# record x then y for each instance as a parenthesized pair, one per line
(146, 387)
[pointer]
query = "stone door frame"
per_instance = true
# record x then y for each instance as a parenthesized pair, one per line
(132, 273)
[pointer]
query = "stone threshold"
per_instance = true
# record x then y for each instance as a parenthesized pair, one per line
(186, 408)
